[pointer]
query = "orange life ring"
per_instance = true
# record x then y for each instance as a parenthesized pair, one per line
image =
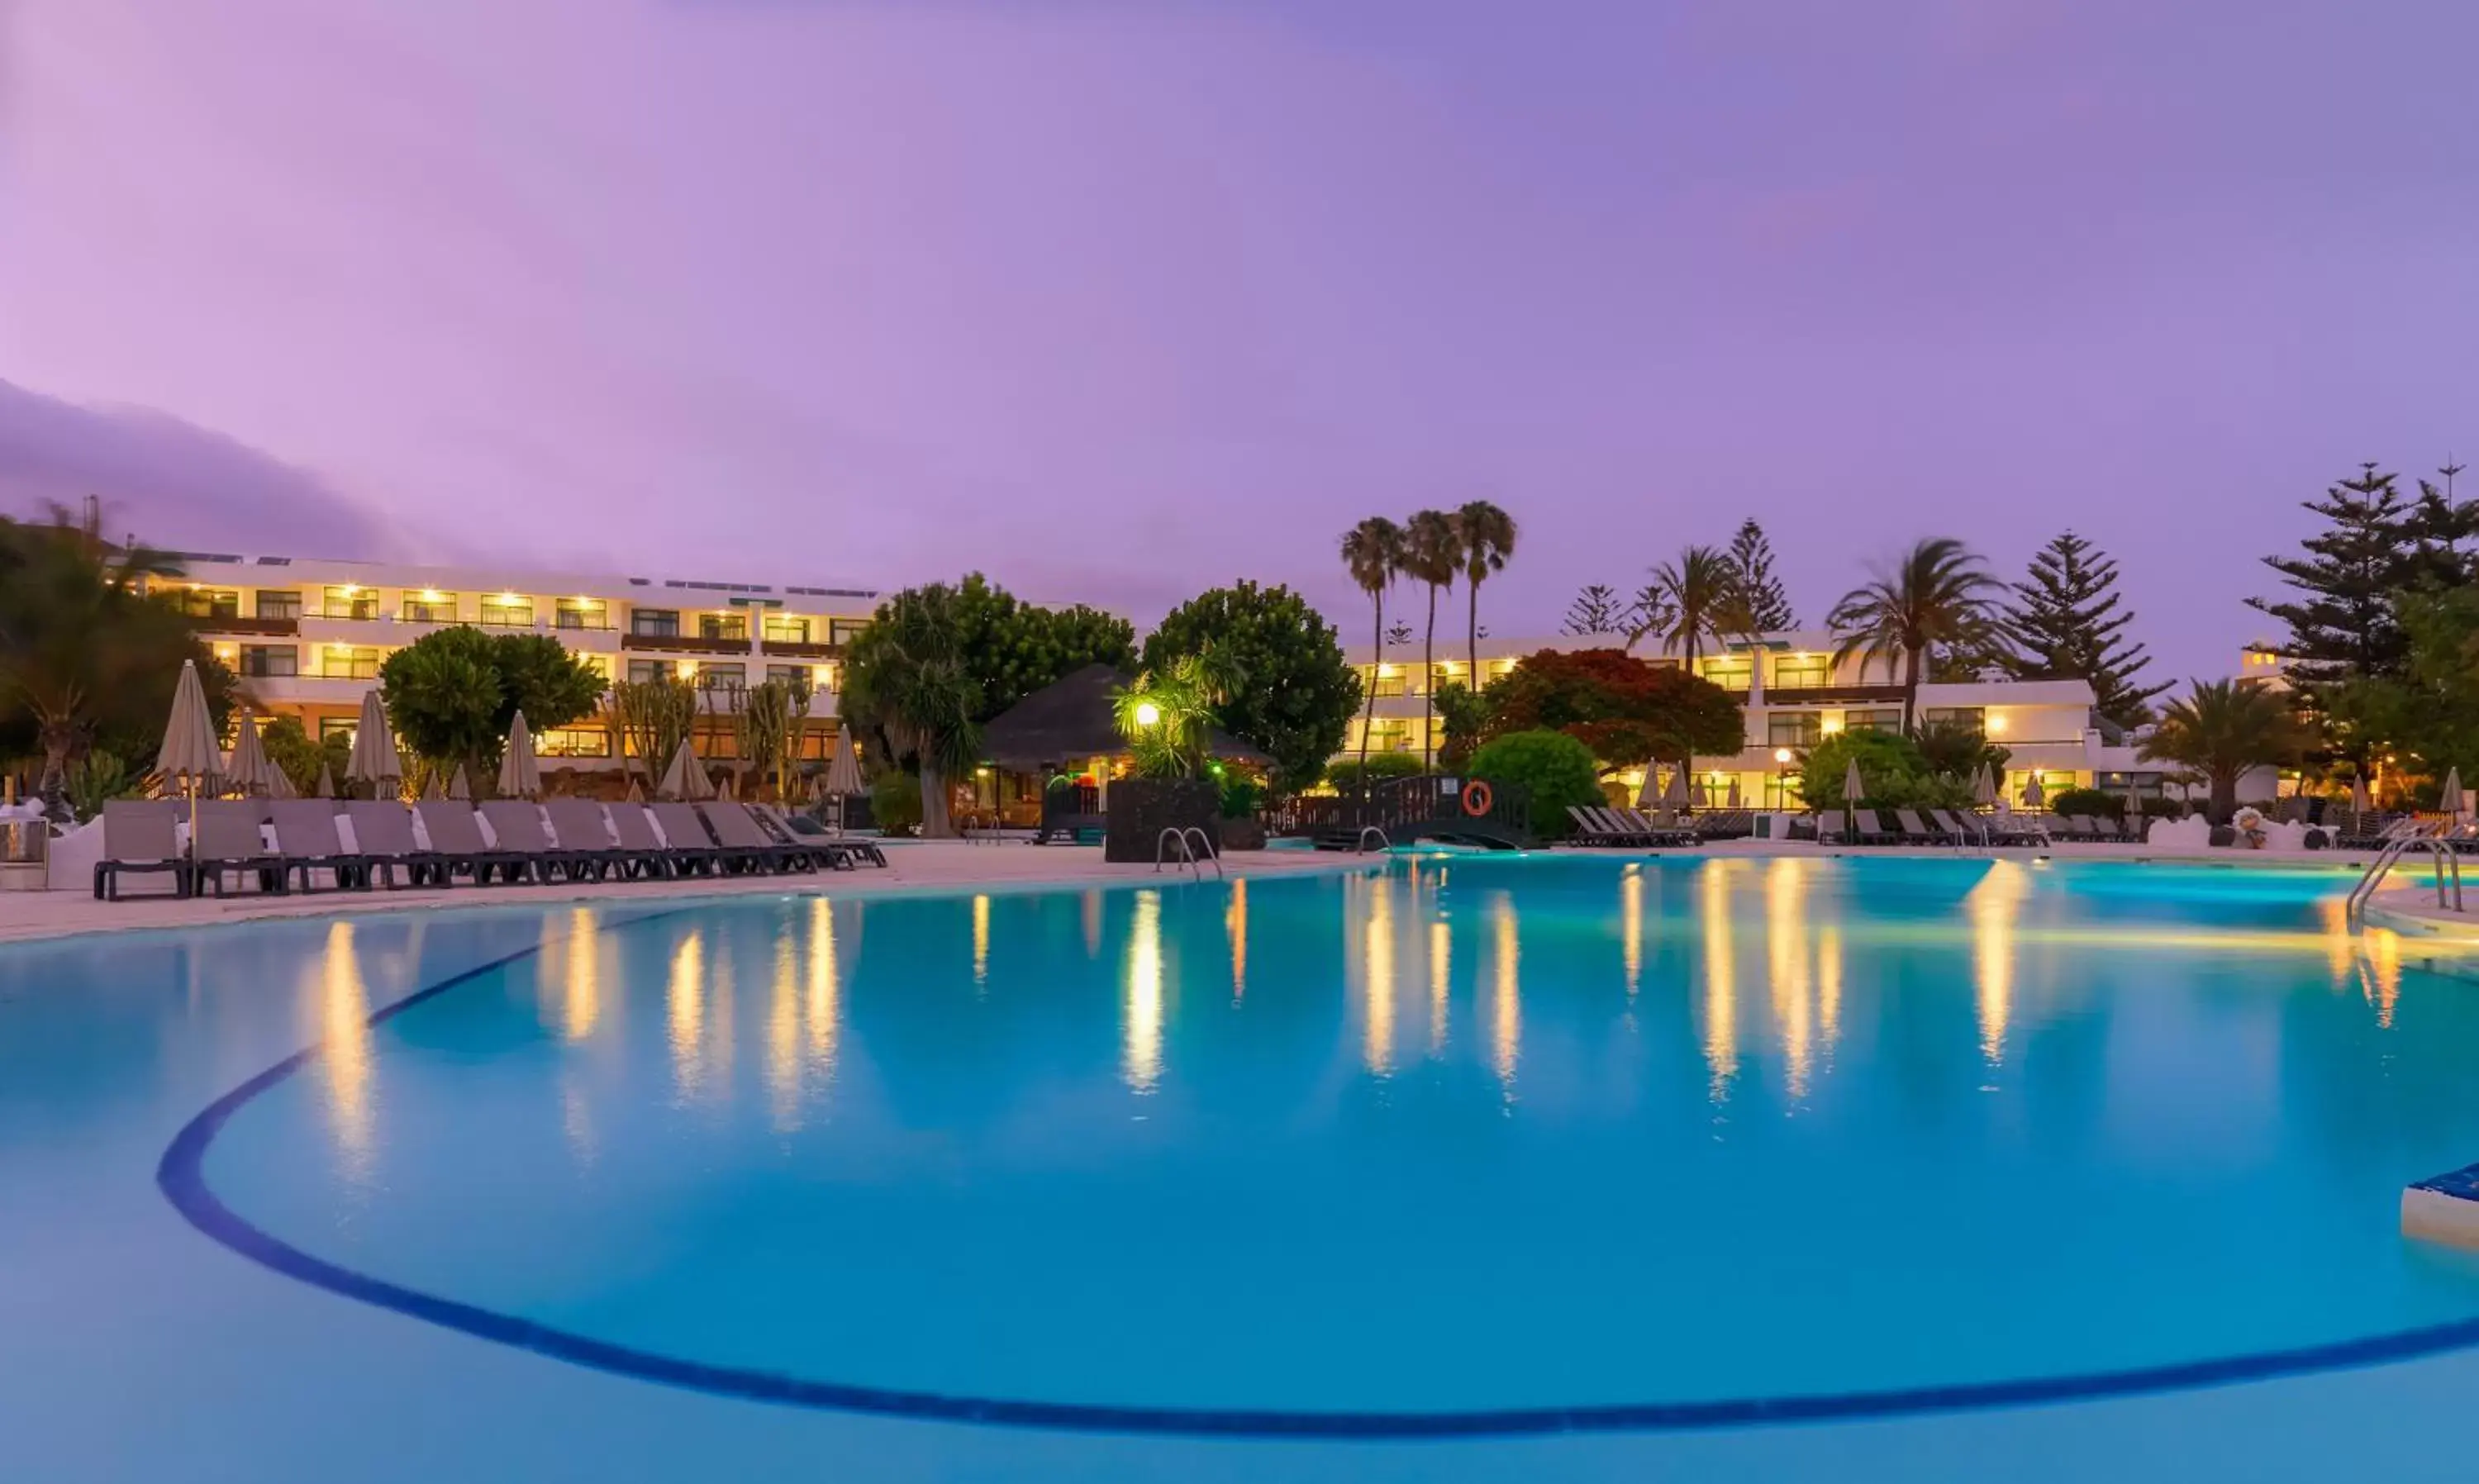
(1477, 798)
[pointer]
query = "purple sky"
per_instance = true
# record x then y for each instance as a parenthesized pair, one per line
(1118, 299)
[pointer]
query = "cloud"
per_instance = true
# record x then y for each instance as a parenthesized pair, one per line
(175, 484)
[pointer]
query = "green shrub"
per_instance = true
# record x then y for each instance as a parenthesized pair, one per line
(1345, 775)
(2098, 802)
(1239, 797)
(94, 779)
(1553, 769)
(895, 802)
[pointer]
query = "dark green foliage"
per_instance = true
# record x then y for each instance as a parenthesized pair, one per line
(1464, 715)
(1348, 774)
(1012, 649)
(1555, 770)
(96, 779)
(1953, 751)
(1293, 694)
(452, 694)
(895, 801)
(2341, 621)
(1893, 774)
(1936, 598)
(1760, 602)
(910, 675)
(1624, 710)
(2098, 802)
(290, 746)
(2066, 621)
(2222, 728)
(1241, 796)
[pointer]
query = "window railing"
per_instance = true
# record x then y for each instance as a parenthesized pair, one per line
(359, 612)
(568, 618)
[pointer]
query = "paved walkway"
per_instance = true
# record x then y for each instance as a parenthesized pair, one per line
(925, 865)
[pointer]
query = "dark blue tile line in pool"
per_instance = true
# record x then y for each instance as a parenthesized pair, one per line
(182, 1178)
(2461, 1183)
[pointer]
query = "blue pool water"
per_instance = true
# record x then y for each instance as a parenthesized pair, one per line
(1474, 1141)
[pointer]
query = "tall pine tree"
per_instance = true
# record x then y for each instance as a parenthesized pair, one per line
(1598, 609)
(2343, 622)
(1760, 596)
(2066, 621)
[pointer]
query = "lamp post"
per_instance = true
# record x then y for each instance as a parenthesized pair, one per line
(1782, 788)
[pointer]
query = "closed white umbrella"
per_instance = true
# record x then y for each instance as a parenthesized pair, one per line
(374, 760)
(1648, 795)
(2451, 800)
(189, 753)
(843, 769)
(685, 778)
(727, 789)
(326, 786)
(430, 786)
(1676, 794)
(1734, 800)
(460, 787)
(2034, 795)
(250, 771)
(280, 785)
(1983, 787)
(1853, 789)
(520, 771)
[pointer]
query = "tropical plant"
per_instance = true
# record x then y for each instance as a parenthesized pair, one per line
(1166, 717)
(1463, 714)
(2098, 802)
(2066, 621)
(1953, 749)
(1295, 691)
(1011, 647)
(895, 801)
(452, 694)
(1553, 769)
(1937, 594)
(91, 649)
(1696, 593)
(94, 780)
(652, 717)
(908, 675)
(1241, 796)
(770, 721)
(1487, 535)
(1373, 552)
(2223, 729)
(290, 746)
(1433, 553)
(1893, 774)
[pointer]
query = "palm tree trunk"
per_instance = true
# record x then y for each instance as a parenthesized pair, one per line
(935, 825)
(1471, 630)
(2225, 796)
(1910, 689)
(1369, 705)
(1429, 686)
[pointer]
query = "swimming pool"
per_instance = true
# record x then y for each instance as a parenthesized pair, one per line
(1477, 1147)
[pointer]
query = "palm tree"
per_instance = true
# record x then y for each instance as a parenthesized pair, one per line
(1938, 594)
(1696, 592)
(2222, 728)
(1373, 551)
(1487, 535)
(1433, 553)
(905, 675)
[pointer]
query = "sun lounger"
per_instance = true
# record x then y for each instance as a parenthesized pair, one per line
(518, 826)
(138, 837)
(229, 841)
(1590, 830)
(1866, 830)
(1915, 832)
(694, 850)
(584, 831)
(1967, 829)
(1662, 828)
(634, 828)
(305, 836)
(457, 840)
(383, 835)
(738, 832)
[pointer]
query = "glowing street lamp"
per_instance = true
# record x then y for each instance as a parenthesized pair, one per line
(1148, 714)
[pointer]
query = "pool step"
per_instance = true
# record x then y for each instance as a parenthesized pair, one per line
(2443, 1208)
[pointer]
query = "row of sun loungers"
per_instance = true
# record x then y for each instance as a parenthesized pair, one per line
(1628, 826)
(559, 840)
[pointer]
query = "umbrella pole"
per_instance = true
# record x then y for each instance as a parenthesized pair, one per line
(194, 837)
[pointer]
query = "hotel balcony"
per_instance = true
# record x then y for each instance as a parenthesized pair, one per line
(684, 644)
(306, 690)
(248, 628)
(799, 648)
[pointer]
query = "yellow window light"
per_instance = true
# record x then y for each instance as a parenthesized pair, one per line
(1996, 724)
(432, 594)
(684, 668)
(350, 588)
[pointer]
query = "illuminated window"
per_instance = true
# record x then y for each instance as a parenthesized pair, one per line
(781, 629)
(655, 623)
(845, 630)
(1733, 672)
(344, 727)
(1880, 719)
(573, 742)
(508, 610)
(279, 603)
(270, 661)
(1965, 718)
(580, 613)
(641, 671)
(723, 625)
(352, 600)
(336, 662)
(712, 677)
(796, 677)
(1793, 729)
(210, 602)
(429, 606)
(1797, 672)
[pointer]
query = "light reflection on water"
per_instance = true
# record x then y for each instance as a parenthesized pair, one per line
(344, 1009)
(1142, 1019)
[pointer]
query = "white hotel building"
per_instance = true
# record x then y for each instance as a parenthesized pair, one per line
(307, 636)
(1794, 696)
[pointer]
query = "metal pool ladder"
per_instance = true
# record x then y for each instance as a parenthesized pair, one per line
(1187, 852)
(2446, 861)
(1365, 830)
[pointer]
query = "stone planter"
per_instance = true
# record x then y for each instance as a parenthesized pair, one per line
(1141, 809)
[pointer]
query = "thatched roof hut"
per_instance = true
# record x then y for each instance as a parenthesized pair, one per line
(1071, 720)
